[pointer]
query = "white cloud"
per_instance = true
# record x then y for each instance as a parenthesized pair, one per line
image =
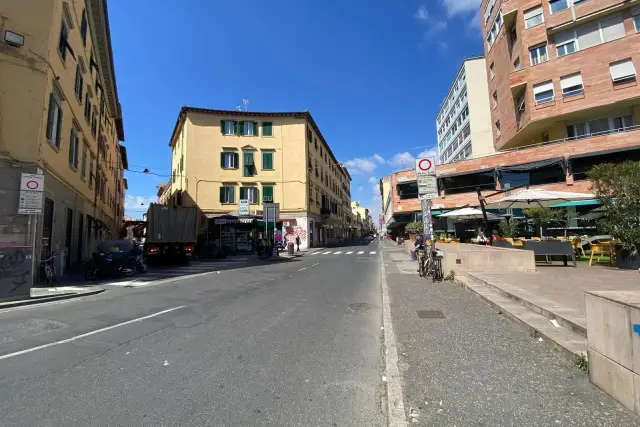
(364, 165)
(373, 180)
(422, 14)
(433, 25)
(429, 152)
(402, 160)
(378, 158)
(460, 7)
(132, 202)
(475, 23)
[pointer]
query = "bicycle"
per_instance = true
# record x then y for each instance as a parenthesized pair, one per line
(430, 265)
(49, 269)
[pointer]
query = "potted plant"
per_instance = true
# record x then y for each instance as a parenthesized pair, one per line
(544, 215)
(618, 188)
(509, 228)
(413, 228)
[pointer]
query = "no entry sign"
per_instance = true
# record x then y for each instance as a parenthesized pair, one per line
(425, 166)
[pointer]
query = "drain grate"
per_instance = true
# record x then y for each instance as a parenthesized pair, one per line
(430, 314)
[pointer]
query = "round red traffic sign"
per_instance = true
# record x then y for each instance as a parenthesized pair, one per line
(32, 185)
(425, 164)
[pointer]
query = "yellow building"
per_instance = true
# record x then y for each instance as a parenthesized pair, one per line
(61, 119)
(221, 157)
(363, 213)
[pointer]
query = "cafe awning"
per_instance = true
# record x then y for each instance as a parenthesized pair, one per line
(604, 152)
(526, 167)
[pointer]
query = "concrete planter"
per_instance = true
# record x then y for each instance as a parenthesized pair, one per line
(624, 261)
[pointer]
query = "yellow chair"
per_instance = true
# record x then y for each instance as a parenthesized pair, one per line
(576, 242)
(599, 249)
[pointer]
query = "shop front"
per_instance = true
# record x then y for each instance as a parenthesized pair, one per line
(235, 234)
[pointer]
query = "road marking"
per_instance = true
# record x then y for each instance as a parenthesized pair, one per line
(349, 253)
(303, 268)
(326, 253)
(317, 263)
(77, 337)
(360, 252)
(395, 400)
(337, 253)
(372, 253)
(315, 253)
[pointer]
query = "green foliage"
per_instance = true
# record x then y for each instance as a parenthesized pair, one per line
(618, 188)
(544, 214)
(414, 227)
(451, 276)
(509, 228)
(582, 363)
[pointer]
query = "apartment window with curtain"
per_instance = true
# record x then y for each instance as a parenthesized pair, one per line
(543, 92)
(227, 194)
(622, 71)
(228, 127)
(248, 164)
(251, 194)
(571, 85)
(533, 17)
(538, 54)
(229, 160)
(250, 128)
(54, 121)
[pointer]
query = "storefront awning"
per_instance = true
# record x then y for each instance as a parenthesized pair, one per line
(604, 152)
(474, 172)
(577, 203)
(526, 167)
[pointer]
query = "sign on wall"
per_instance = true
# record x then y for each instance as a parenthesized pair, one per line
(243, 207)
(31, 191)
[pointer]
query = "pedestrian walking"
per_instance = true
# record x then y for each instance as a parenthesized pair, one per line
(298, 243)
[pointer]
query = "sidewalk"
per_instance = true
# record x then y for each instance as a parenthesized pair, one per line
(477, 367)
(42, 295)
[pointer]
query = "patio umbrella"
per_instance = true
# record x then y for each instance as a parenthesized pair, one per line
(467, 213)
(534, 198)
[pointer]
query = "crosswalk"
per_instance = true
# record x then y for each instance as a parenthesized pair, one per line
(344, 253)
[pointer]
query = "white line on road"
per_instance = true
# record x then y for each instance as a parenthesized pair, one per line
(303, 268)
(317, 263)
(77, 337)
(326, 253)
(360, 252)
(372, 253)
(349, 253)
(337, 253)
(395, 402)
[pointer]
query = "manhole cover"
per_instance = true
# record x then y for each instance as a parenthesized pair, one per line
(430, 314)
(360, 307)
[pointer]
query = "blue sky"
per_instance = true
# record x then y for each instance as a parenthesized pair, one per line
(371, 72)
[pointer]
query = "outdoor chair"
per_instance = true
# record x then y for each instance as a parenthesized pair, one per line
(599, 249)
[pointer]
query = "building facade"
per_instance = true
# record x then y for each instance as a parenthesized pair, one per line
(464, 121)
(561, 69)
(60, 118)
(220, 157)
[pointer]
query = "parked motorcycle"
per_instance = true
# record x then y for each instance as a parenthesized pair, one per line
(113, 258)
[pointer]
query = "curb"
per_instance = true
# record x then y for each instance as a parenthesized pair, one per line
(33, 301)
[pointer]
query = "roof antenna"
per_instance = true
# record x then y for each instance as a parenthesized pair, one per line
(244, 106)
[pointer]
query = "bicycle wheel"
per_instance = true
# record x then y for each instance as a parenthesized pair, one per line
(437, 270)
(48, 274)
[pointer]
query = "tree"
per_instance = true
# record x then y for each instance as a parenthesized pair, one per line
(545, 215)
(414, 227)
(618, 188)
(509, 228)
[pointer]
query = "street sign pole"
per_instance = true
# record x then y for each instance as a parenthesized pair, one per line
(427, 190)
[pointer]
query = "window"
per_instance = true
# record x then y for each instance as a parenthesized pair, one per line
(492, 71)
(558, 5)
(623, 122)
(87, 107)
(533, 17)
(543, 92)
(467, 151)
(636, 18)
(267, 193)
(495, 29)
(622, 71)
(251, 194)
(516, 64)
(83, 27)
(54, 121)
(250, 128)
(538, 54)
(83, 166)
(91, 175)
(612, 28)
(94, 123)
(73, 149)
(571, 85)
(598, 126)
(566, 43)
(79, 84)
(469, 182)
(495, 98)
(588, 35)
(408, 190)
(513, 35)
(229, 160)
(228, 127)
(309, 135)
(267, 160)
(227, 194)
(498, 129)
(267, 129)
(63, 43)
(249, 167)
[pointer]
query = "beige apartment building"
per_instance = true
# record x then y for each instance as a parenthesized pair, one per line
(220, 157)
(464, 121)
(61, 119)
(563, 70)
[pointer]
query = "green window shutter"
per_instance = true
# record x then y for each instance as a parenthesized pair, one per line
(71, 143)
(50, 117)
(235, 160)
(267, 160)
(222, 160)
(232, 196)
(257, 195)
(248, 164)
(59, 133)
(267, 193)
(222, 190)
(267, 129)
(239, 128)
(243, 193)
(221, 126)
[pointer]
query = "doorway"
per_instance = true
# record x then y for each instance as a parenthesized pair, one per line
(47, 229)
(67, 238)
(80, 238)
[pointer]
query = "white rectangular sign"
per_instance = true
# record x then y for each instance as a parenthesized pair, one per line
(428, 187)
(32, 182)
(243, 207)
(425, 166)
(30, 202)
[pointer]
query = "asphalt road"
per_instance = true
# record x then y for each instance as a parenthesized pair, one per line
(294, 343)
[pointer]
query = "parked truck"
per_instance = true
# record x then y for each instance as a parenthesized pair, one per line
(171, 233)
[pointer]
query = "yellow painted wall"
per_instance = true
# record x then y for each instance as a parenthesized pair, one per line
(204, 176)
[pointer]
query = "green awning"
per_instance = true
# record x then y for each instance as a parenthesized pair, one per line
(577, 203)
(436, 212)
